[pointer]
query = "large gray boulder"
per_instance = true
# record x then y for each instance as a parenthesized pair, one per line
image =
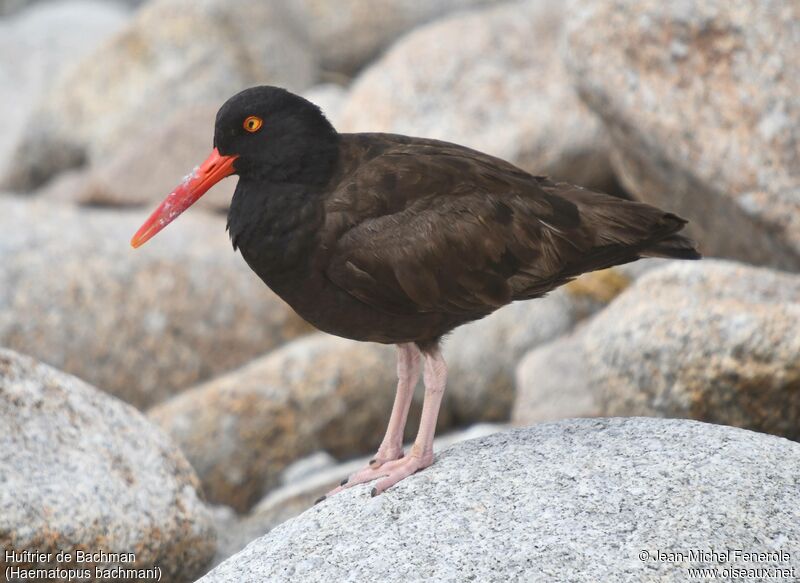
(700, 101)
(8, 7)
(482, 356)
(82, 470)
(347, 34)
(297, 494)
(578, 500)
(141, 324)
(714, 340)
(144, 169)
(503, 90)
(552, 382)
(36, 45)
(174, 53)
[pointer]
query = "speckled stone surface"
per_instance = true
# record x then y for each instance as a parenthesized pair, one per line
(701, 103)
(713, 340)
(281, 504)
(505, 91)
(141, 324)
(576, 500)
(82, 470)
(481, 356)
(146, 168)
(11, 7)
(552, 382)
(347, 34)
(35, 45)
(173, 54)
(143, 170)
(241, 430)
(329, 97)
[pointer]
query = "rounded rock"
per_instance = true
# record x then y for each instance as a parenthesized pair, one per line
(574, 500)
(82, 470)
(504, 91)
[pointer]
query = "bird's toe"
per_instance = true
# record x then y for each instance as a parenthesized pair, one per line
(383, 457)
(391, 472)
(399, 470)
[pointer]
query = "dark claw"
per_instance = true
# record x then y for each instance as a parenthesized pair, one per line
(343, 482)
(320, 499)
(374, 492)
(372, 461)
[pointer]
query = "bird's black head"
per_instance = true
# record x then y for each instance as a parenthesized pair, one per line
(263, 134)
(276, 136)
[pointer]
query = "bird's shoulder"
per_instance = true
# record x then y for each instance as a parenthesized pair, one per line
(383, 173)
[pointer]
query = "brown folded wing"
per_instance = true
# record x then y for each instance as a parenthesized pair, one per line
(450, 230)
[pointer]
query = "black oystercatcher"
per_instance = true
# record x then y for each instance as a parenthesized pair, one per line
(393, 239)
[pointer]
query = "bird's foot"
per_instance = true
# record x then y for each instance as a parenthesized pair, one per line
(390, 473)
(385, 455)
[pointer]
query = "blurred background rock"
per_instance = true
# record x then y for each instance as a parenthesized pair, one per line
(694, 106)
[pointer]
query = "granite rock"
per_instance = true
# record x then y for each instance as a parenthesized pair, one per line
(552, 382)
(299, 470)
(504, 91)
(11, 7)
(173, 54)
(36, 45)
(82, 470)
(141, 324)
(349, 33)
(295, 497)
(714, 341)
(482, 356)
(700, 102)
(574, 500)
(145, 169)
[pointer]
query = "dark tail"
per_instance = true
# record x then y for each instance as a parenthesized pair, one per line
(605, 232)
(674, 247)
(624, 231)
(627, 230)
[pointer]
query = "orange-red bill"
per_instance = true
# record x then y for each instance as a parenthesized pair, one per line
(215, 168)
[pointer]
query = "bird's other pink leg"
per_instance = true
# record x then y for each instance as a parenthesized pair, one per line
(408, 365)
(409, 359)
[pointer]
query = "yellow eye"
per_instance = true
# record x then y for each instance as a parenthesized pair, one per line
(253, 123)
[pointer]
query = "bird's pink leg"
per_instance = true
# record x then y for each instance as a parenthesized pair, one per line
(421, 454)
(391, 448)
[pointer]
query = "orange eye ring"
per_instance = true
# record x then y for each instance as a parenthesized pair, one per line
(253, 123)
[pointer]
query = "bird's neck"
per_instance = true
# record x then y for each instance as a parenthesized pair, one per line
(275, 218)
(276, 227)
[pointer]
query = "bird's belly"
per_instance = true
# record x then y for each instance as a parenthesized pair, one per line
(330, 309)
(336, 312)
